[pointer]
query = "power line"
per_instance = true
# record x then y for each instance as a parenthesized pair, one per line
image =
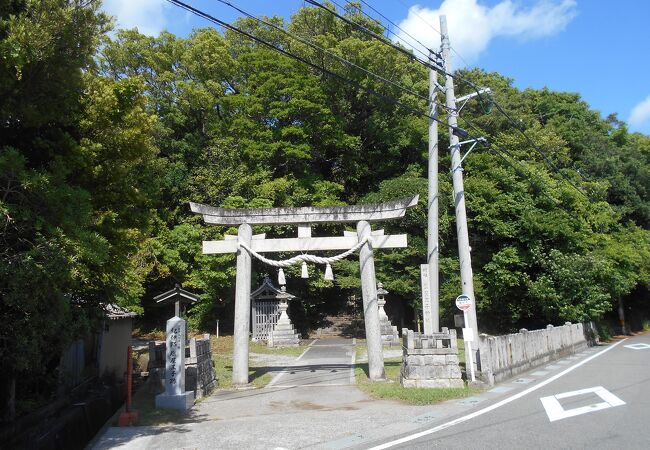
(400, 28)
(500, 151)
(433, 28)
(375, 35)
(464, 80)
(427, 56)
(358, 86)
(317, 47)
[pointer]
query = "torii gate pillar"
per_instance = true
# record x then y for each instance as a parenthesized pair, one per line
(242, 309)
(370, 308)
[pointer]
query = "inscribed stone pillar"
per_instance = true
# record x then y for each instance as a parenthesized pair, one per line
(370, 308)
(242, 309)
(175, 396)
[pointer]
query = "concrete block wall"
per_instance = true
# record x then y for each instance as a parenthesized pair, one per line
(502, 357)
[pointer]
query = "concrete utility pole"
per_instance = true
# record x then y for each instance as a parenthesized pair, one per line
(432, 202)
(459, 190)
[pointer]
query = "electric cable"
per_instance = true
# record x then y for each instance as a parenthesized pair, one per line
(402, 30)
(374, 35)
(385, 97)
(444, 71)
(317, 47)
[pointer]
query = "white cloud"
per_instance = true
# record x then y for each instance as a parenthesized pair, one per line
(640, 114)
(147, 15)
(472, 26)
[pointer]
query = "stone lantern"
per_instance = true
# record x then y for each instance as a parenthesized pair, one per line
(389, 333)
(381, 301)
(283, 334)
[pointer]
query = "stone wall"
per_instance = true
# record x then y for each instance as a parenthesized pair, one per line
(502, 357)
(200, 374)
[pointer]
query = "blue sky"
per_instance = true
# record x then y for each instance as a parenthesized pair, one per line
(598, 48)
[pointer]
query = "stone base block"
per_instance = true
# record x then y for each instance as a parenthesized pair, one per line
(437, 383)
(181, 402)
(283, 335)
(283, 343)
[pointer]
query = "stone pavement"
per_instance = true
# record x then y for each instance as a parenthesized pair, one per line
(311, 403)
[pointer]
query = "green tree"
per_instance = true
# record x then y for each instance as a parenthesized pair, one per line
(76, 160)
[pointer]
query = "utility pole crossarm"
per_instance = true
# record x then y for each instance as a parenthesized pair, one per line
(460, 144)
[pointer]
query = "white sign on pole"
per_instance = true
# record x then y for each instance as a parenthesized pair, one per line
(426, 299)
(463, 302)
(468, 335)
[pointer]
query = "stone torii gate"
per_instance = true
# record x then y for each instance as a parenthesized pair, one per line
(246, 245)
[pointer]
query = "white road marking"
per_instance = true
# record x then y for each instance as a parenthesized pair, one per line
(555, 411)
(487, 409)
(639, 346)
(286, 369)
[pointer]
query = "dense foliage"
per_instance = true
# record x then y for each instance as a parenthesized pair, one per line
(76, 158)
(102, 148)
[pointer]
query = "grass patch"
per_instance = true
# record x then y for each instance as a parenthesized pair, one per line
(393, 390)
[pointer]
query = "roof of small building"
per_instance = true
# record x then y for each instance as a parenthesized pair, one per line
(176, 294)
(115, 311)
(267, 291)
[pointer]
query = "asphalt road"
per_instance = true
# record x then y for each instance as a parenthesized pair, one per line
(599, 399)
(328, 362)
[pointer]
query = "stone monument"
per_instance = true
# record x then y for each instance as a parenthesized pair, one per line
(175, 396)
(283, 334)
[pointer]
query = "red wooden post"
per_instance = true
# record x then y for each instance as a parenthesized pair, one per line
(128, 417)
(129, 377)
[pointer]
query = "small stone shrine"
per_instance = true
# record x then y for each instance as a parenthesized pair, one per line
(430, 361)
(175, 396)
(266, 311)
(283, 334)
(389, 334)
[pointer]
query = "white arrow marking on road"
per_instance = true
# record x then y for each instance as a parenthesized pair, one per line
(639, 346)
(555, 411)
